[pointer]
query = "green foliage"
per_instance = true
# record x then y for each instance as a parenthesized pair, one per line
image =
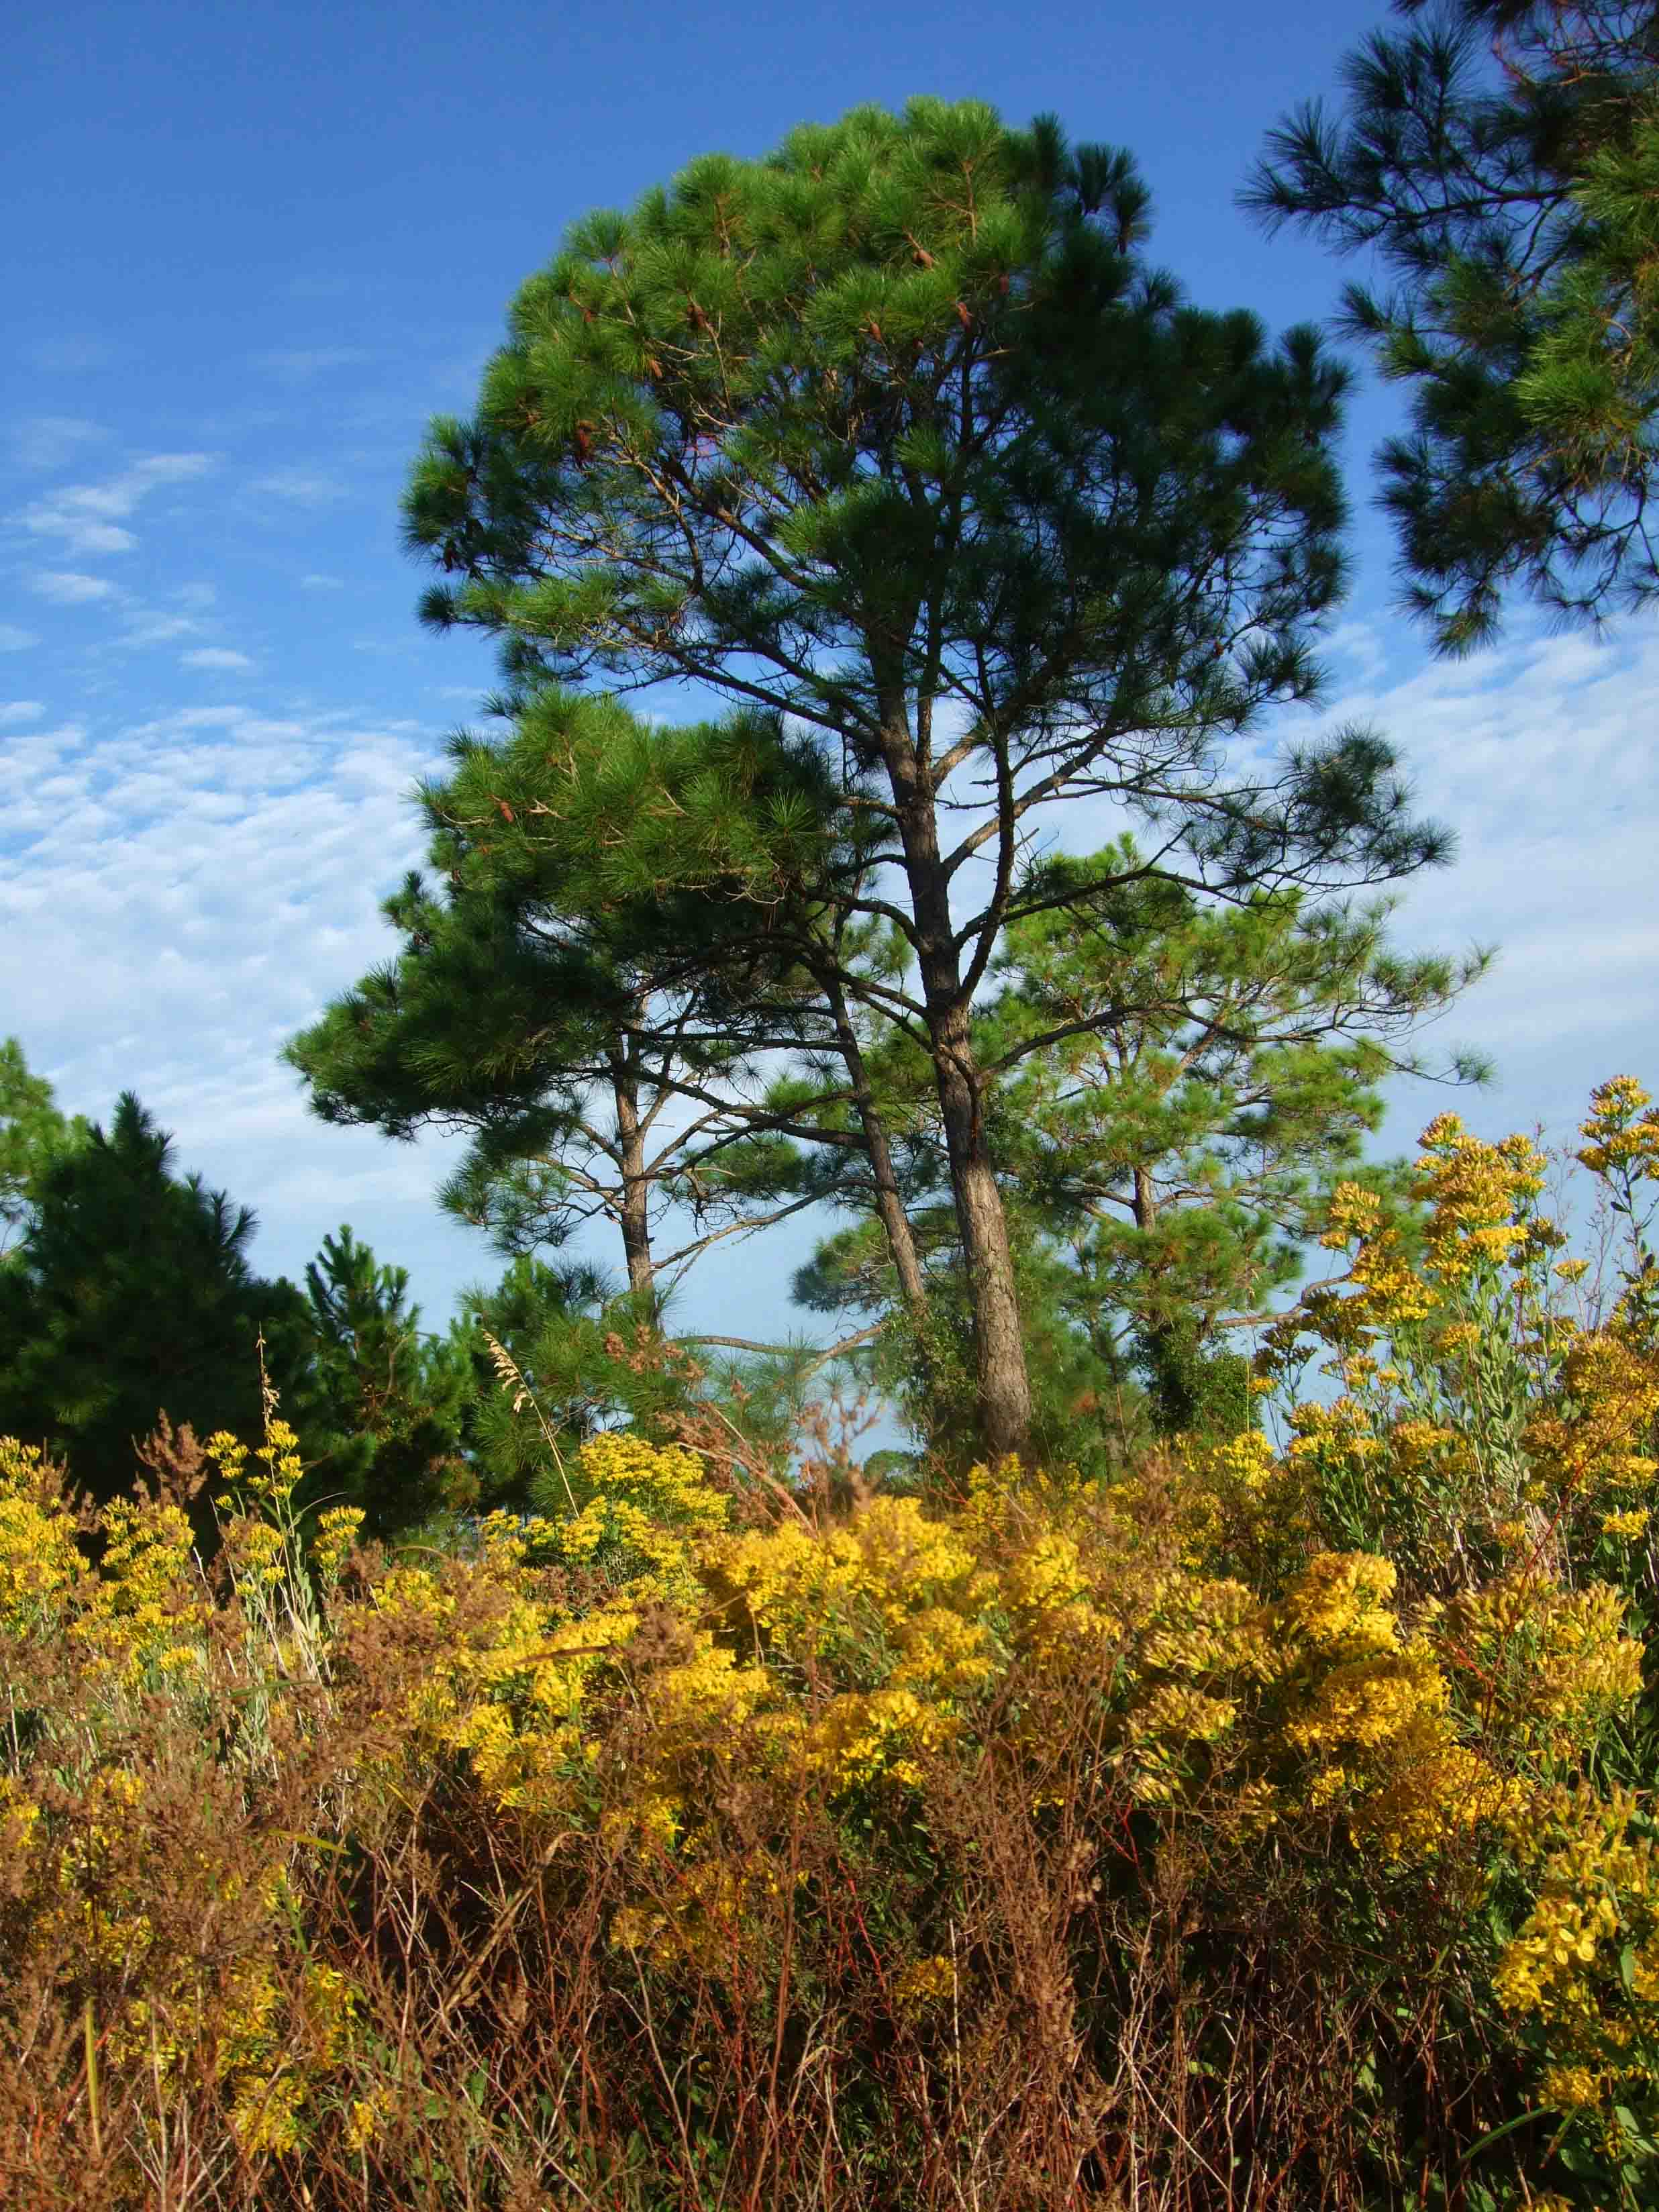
(389, 1404)
(559, 1358)
(1519, 206)
(552, 993)
(130, 1295)
(550, 1349)
(1179, 1084)
(1185, 1082)
(895, 442)
(757, 371)
(33, 1134)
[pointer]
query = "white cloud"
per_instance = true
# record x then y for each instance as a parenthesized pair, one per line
(190, 889)
(322, 583)
(1356, 649)
(1539, 757)
(48, 441)
(68, 588)
(14, 640)
(145, 626)
(80, 534)
(307, 487)
(88, 518)
(214, 656)
(21, 710)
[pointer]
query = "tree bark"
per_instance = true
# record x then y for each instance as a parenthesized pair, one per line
(1003, 1386)
(1145, 1199)
(890, 1202)
(634, 1212)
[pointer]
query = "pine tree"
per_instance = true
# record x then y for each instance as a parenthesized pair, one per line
(33, 1133)
(595, 1039)
(132, 1295)
(896, 439)
(557, 1356)
(389, 1404)
(1504, 160)
(1175, 1085)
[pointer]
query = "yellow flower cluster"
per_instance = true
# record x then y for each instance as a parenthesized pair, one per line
(145, 1609)
(1584, 1963)
(1591, 1440)
(640, 1509)
(924, 1986)
(41, 1567)
(1201, 1667)
(1478, 1420)
(259, 2030)
(1622, 1130)
(1545, 1665)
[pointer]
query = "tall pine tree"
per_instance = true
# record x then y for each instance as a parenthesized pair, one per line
(897, 438)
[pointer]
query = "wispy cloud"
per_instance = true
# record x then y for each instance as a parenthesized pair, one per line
(322, 583)
(88, 518)
(67, 587)
(48, 441)
(15, 639)
(135, 623)
(21, 710)
(306, 487)
(1538, 757)
(192, 889)
(1356, 651)
(142, 626)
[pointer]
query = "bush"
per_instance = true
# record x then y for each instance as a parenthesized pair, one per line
(1272, 1828)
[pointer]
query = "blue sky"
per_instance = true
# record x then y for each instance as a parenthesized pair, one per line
(250, 250)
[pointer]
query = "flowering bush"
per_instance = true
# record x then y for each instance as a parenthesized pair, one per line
(1272, 1828)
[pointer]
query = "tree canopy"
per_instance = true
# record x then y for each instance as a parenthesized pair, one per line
(133, 1295)
(592, 1027)
(1502, 157)
(897, 440)
(33, 1134)
(1174, 1089)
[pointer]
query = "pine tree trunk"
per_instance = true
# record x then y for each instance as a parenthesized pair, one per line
(890, 1202)
(634, 1214)
(1004, 1389)
(1145, 1199)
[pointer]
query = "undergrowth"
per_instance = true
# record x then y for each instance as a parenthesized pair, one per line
(1274, 1829)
